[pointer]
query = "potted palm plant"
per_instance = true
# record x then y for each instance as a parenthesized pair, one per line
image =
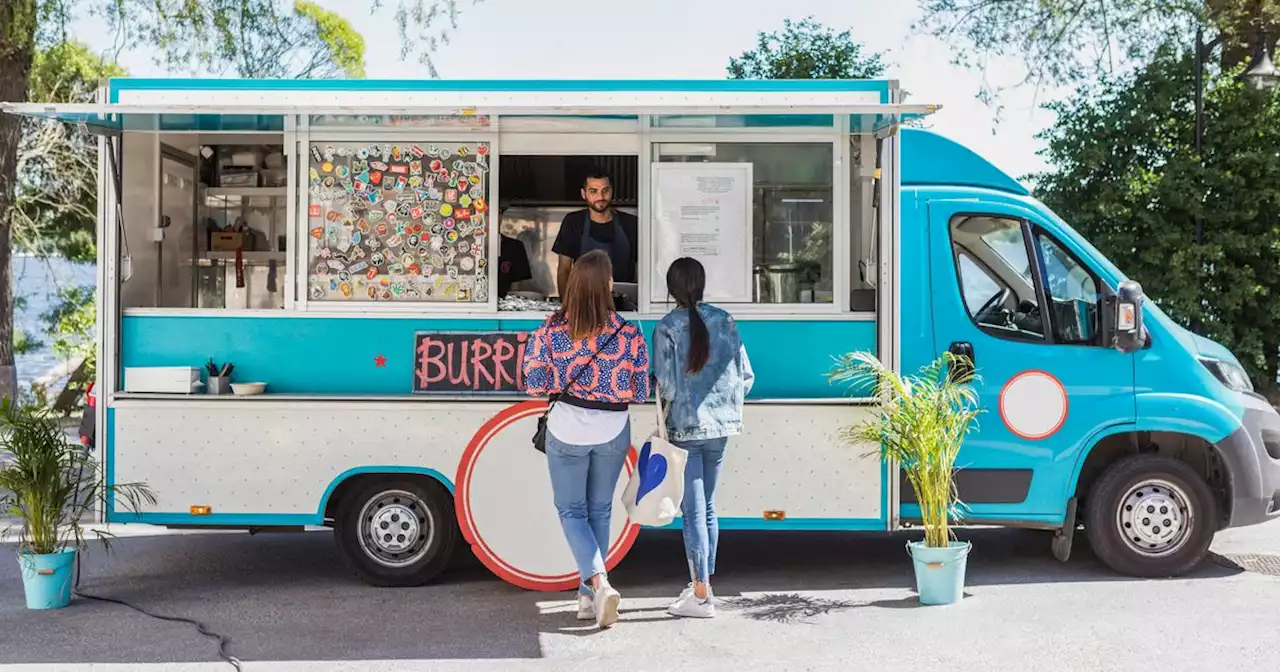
(48, 484)
(921, 424)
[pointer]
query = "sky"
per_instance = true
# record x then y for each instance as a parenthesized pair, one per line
(689, 39)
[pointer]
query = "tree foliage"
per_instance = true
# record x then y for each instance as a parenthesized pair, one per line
(806, 50)
(1125, 174)
(1063, 42)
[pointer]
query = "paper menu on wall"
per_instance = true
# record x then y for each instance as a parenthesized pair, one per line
(703, 210)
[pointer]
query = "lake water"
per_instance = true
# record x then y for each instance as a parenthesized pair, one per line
(39, 281)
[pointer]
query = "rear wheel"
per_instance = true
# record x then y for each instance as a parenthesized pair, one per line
(397, 531)
(1151, 516)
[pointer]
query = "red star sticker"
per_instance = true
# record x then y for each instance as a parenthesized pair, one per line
(380, 361)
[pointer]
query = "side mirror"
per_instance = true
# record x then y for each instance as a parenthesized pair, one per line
(1122, 318)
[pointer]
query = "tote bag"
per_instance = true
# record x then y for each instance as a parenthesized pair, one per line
(654, 493)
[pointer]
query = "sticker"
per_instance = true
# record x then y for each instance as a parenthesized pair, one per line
(416, 151)
(371, 273)
(343, 276)
(402, 183)
(415, 167)
(413, 269)
(358, 267)
(451, 237)
(329, 152)
(482, 150)
(474, 179)
(337, 265)
(322, 270)
(362, 153)
(464, 295)
(445, 211)
(428, 270)
(326, 167)
(395, 241)
(453, 179)
(323, 253)
(415, 181)
(374, 197)
(413, 241)
(375, 177)
(449, 223)
(465, 201)
(360, 167)
(462, 213)
(317, 233)
(477, 192)
(395, 152)
(388, 185)
(315, 175)
(451, 195)
(346, 289)
(467, 264)
(436, 166)
(399, 169)
(396, 269)
(386, 152)
(373, 292)
(317, 292)
(481, 205)
(378, 165)
(357, 253)
(481, 263)
(314, 210)
(437, 229)
(435, 194)
(373, 243)
(445, 153)
(452, 272)
(437, 260)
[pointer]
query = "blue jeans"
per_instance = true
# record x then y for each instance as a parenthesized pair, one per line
(698, 510)
(583, 480)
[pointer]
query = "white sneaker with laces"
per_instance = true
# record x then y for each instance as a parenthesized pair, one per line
(688, 592)
(586, 608)
(606, 604)
(689, 606)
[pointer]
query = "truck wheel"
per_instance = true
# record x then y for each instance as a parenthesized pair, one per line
(1151, 517)
(397, 531)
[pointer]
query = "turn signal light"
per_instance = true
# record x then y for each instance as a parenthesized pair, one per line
(775, 515)
(201, 510)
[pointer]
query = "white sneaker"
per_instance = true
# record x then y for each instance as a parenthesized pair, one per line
(586, 608)
(688, 592)
(605, 605)
(691, 607)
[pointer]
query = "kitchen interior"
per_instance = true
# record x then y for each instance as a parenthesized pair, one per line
(217, 236)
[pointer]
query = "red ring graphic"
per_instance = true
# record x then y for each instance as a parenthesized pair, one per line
(488, 558)
(1066, 405)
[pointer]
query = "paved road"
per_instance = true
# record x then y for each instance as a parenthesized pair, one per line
(793, 602)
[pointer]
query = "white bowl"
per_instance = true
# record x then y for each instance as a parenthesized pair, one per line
(248, 389)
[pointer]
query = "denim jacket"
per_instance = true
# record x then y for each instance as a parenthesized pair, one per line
(706, 404)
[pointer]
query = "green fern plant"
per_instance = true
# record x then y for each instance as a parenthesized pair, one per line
(49, 483)
(921, 424)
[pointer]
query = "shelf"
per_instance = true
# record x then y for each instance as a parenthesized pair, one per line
(248, 256)
(246, 191)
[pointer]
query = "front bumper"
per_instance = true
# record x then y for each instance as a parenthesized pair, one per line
(1252, 457)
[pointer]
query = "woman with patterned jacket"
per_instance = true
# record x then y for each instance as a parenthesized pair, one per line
(593, 364)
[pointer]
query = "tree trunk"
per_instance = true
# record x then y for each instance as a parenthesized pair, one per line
(18, 22)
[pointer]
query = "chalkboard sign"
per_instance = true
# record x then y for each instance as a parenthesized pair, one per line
(468, 362)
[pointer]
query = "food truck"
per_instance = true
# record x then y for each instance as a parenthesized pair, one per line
(315, 294)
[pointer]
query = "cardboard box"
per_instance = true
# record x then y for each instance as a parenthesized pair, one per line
(162, 379)
(230, 241)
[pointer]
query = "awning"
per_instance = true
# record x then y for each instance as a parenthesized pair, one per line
(116, 117)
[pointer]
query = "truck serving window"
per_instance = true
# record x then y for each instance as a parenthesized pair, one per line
(995, 277)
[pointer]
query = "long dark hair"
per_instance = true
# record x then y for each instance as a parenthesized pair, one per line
(587, 303)
(686, 280)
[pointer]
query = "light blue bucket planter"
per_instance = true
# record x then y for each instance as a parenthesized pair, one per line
(939, 571)
(47, 578)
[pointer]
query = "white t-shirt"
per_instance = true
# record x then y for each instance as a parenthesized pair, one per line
(585, 426)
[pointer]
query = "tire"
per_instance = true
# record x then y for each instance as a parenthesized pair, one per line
(1169, 539)
(425, 545)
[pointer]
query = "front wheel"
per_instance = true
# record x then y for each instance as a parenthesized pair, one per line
(1151, 516)
(397, 531)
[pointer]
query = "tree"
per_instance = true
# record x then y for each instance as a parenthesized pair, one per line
(1063, 42)
(1126, 176)
(197, 35)
(806, 50)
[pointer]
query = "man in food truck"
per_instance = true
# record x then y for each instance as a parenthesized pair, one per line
(598, 227)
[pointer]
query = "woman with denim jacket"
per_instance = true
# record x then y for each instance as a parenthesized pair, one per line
(593, 363)
(703, 375)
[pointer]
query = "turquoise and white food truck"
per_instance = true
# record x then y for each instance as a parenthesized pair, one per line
(365, 259)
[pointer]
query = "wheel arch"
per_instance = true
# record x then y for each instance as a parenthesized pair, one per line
(1187, 438)
(347, 481)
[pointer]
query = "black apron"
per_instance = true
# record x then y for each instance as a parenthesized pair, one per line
(619, 250)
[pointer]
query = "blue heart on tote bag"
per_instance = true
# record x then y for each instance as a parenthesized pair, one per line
(652, 468)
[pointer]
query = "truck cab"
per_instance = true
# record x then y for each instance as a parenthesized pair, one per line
(1154, 446)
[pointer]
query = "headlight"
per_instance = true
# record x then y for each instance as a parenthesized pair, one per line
(1229, 374)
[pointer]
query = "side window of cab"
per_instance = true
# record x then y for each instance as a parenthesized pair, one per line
(1009, 271)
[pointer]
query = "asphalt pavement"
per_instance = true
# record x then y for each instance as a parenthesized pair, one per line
(789, 601)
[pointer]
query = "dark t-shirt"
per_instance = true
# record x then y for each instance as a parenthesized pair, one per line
(569, 240)
(513, 264)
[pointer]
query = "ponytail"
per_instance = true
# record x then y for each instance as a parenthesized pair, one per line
(686, 281)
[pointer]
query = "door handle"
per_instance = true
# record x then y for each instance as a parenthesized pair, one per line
(964, 369)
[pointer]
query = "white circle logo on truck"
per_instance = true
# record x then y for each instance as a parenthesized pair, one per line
(1033, 405)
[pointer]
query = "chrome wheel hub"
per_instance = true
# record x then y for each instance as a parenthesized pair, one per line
(1155, 518)
(396, 528)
